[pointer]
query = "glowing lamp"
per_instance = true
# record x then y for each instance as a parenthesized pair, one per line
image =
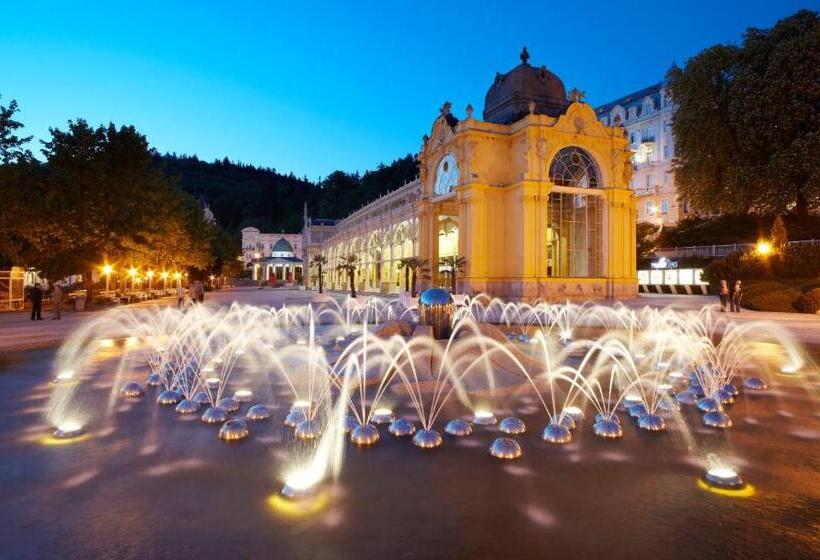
(764, 248)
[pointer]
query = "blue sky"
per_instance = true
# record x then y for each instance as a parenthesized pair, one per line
(311, 87)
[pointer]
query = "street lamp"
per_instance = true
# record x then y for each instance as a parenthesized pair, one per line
(132, 272)
(107, 269)
(178, 277)
(164, 276)
(150, 275)
(764, 248)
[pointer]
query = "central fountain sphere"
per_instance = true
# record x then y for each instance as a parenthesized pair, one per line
(382, 416)
(717, 419)
(243, 395)
(202, 398)
(154, 380)
(214, 415)
(512, 425)
(68, 430)
(608, 429)
(484, 418)
(708, 404)
(229, 404)
(257, 413)
(458, 428)
(722, 477)
(755, 384)
(687, 397)
(168, 398)
(187, 406)
(651, 423)
(436, 309)
(556, 433)
(427, 439)
(505, 448)
(364, 435)
(234, 430)
(308, 429)
(132, 390)
(401, 428)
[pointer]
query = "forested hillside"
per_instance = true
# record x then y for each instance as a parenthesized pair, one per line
(244, 195)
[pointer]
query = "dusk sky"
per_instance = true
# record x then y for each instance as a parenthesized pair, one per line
(330, 86)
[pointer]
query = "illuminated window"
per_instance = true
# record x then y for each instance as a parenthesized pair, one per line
(446, 175)
(665, 206)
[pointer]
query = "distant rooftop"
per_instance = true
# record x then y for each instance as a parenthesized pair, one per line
(634, 98)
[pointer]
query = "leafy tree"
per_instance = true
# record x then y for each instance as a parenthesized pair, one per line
(779, 235)
(11, 145)
(319, 261)
(406, 264)
(747, 129)
(417, 266)
(456, 264)
(348, 266)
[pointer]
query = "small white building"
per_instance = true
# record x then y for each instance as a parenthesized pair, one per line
(277, 257)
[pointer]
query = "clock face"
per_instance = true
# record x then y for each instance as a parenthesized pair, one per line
(446, 175)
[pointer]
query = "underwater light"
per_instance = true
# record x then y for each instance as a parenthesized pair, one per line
(300, 405)
(382, 416)
(131, 341)
(301, 342)
(69, 429)
(243, 395)
(300, 484)
(65, 375)
(566, 334)
(106, 343)
(723, 477)
(484, 417)
(212, 381)
(789, 369)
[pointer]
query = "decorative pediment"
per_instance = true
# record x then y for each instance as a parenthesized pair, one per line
(580, 118)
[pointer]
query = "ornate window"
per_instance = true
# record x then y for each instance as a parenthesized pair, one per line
(446, 175)
(573, 167)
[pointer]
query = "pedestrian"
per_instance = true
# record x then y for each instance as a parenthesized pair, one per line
(180, 296)
(737, 295)
(200, 291)
(36, 296)
(57, 300)
(192, 292)
(723, 292)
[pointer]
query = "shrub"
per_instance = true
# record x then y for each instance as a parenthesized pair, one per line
(809, 302)
(772, 300)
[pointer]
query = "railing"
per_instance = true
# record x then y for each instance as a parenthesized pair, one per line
(715, 251)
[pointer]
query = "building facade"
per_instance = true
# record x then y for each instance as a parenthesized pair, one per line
(273, 257)
(535, 196)
(646, 115)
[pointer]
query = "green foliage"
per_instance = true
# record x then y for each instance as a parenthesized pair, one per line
(646, 235)
(348, 265)
(318, 262)
(11, 145)
(779, 236)
(456, 264)
(781, 299)
(735, 228)
(244, 195)
(747, 129)
(809, 302)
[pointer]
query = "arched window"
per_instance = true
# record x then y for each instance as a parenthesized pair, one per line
(446, 175)
(573, 167)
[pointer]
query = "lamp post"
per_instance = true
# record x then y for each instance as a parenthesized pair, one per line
(178, 278)
(107, 269)
(150, 275)
(164, 276)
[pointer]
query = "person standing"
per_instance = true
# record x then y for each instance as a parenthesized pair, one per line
(737, 295)
(200, 291)
(180, 296)
(723, 292)
(57, 300)
(36, 296)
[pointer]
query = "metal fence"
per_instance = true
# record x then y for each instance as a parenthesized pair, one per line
(714, 251)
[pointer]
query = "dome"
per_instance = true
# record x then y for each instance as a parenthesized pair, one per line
(435, 296)
(282, 246)
(508, 99)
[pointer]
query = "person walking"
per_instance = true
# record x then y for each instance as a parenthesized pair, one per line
(737, 295)
(57, 301)
(200, 291)
(36, 296)
(180, 296)
(723, 292)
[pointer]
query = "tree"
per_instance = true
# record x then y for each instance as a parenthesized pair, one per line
(779, 235)
(11, 145)
(319, 261)
(348, 266)
(747, 128)
(406, 265)
(456, 264)
(417, 266)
